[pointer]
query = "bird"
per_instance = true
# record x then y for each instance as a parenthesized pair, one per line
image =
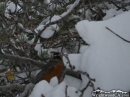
(54, 67)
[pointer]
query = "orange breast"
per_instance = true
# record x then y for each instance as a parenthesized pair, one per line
(57, 71)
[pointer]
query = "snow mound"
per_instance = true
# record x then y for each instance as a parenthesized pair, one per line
(43, 87)
(107, 59)
(61, 90)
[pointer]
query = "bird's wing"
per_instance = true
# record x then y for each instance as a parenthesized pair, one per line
(45, 70)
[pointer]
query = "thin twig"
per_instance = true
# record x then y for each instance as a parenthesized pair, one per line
(82, 91)
(79, 45)
(66, 90)
(90, 83)
(117, 35)
(70, 65)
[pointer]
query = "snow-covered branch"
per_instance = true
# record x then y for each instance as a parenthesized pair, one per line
(16, 58)
(23, 89)
(27, 91)
(9, 87)
(57, 21)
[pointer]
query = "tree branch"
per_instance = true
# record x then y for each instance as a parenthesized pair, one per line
(16, 58)
(62, 17)
(27, 91)
(9, 87)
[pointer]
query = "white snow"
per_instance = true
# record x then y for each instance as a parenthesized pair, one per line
(72, 92)
(71, 81)
(39, 28)
(47, 90)
(58, 91)
(55, 18)
(40, 49)
(70, 8)
(28, 30)
(38, 46)
(49, 31)
(107, 57)
(43, 87)
(54, 81)
(11, 7)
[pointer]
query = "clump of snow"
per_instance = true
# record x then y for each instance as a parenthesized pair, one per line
(39, 28)
(41, 50)
(49, 31)
(43, 87)
(28, 30)
(107, 57)
(38, 46)
(21, 25)
(11, 7)
(54, 81)
(55, 18)
(59, 90)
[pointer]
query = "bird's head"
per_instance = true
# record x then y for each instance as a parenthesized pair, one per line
(56, 56)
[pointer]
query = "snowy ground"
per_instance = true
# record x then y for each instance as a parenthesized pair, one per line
(107, 59)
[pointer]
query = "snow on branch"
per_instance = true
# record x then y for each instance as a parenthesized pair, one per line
(9, 87)
(27, 91)
(60, 19)
(23, 89)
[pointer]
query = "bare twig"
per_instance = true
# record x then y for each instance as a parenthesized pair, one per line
(72, 73)
(117, 35)
(90, 82)
(70, 65)
(66, 90)
(82, 91)
(79, 45)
